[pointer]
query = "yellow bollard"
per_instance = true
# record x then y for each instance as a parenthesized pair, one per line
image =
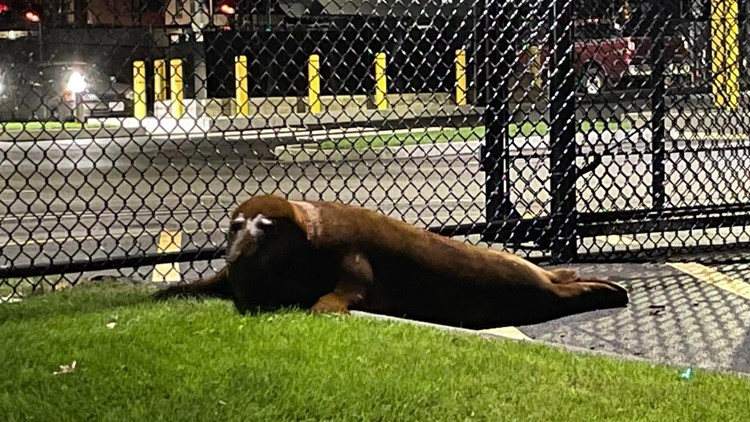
(536, 65)
(241, 86)
(139, 89)
(313, 79)
(725, 49)
(177, 95)
(160, 80)
(381, 82)
(461, 77)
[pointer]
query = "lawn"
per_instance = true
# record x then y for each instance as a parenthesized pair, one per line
(464, 134)
(26, 286)
(190, 360)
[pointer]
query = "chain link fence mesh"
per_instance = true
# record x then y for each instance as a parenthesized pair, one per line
(558, 129)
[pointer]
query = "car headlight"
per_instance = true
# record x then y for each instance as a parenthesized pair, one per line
(76, 83)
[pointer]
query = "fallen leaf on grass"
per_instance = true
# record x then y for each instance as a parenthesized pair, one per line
(64, 369)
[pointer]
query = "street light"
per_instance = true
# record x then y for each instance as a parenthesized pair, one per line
(32, 16)
(76, 85)
(227, 7)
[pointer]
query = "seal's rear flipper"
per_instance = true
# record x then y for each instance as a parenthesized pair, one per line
(590, 295)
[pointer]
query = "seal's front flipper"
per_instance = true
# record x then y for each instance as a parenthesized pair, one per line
(355, 278)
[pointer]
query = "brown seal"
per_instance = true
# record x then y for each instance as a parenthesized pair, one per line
(332, 257)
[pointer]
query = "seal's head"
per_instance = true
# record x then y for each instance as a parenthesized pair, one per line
(247, 235)
(270, 263)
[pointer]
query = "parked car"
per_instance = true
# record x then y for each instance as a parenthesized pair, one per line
(55, 90)
(603, 58)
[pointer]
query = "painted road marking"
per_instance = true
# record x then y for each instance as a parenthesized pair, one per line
(616, 239)
(169, 241)
(508, 332)
(712, 276)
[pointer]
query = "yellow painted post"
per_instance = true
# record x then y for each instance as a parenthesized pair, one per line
(717, 54)
(139, 89)
(313, 79)
(169, 241)
(725, 53)
(381, 82)
(241, 86)
(536, 65)
(177, 95)
(160, 80)
(461, 77)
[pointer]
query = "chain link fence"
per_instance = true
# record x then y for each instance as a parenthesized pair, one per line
(562, 130)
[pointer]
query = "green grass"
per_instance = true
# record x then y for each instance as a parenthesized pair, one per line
(26, 286)
(37, 126)
(189, 360)
(464, 134)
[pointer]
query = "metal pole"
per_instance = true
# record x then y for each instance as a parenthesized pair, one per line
(41, 42)
(658, 107)
(563, 135)
(495, 43)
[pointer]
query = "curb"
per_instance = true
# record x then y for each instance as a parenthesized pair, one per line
(301, 154)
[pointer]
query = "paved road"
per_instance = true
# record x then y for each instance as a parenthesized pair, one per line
(114, 196)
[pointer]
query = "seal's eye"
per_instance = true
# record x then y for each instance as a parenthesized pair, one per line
(265, 223)
(261, 226)
(237, 225)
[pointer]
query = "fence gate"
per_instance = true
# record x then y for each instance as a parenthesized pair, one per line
(652, 93)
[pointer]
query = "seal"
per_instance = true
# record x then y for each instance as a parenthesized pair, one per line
(333, 257)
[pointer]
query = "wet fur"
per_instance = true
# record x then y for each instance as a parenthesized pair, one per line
(332, 257)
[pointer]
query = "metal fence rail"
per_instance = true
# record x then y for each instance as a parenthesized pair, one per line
(561, 130)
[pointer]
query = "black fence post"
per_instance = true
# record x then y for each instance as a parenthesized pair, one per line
(495, 67)
(563, 147)
(658, 105)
